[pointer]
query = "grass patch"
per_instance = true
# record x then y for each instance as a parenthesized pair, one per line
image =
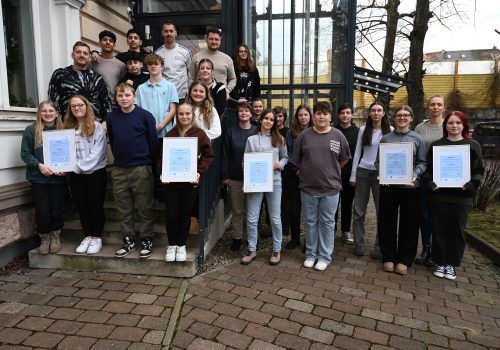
(486, 224)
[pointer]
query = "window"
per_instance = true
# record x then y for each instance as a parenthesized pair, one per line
(18, 56)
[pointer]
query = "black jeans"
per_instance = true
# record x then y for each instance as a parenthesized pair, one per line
(49, 206)
(88, 192)
(179, 203)
(398, 245)
(293, 205)
(448, 222)
(345, 203)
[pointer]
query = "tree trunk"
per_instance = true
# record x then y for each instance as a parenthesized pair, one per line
(390, 42)
(415, 69)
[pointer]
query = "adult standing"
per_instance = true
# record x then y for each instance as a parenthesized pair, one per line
(430, 130)
(177, 59)
(320, 152)
(77, 79)
(247, 76)
(223, 64)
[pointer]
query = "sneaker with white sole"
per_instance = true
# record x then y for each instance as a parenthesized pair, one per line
(439, 271)
(347, 236)
(127, 247)
(449, 272)
(95, 246)
(170, 253)
(147, 248)
(320, 266)
(180, 253)
(308, 263)
(82, 248)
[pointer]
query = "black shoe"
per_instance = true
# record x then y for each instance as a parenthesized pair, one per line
(147, 248)
(292, 244)
(127, 247)
(236, 245)
(375, 254)
(422, 258)
(359, 251)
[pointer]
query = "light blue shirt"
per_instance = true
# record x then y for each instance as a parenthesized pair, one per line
(156, 99)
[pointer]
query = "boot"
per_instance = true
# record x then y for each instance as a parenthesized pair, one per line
(55, 242)
(426, 254)
(43, 249)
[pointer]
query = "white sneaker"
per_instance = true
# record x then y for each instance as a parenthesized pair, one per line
(180, 253)
(82, 248)
(308, 263)
(95, 246)
(320, 266)
(170, 254)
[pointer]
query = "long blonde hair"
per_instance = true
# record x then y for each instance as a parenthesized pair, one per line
(181, 130)
(70, 121)
(207, 105)
(39, 124)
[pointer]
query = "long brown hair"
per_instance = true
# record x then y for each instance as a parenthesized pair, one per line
(366, 139)
(207, 105)
(248, 63)
(296, 128)
(39, 124)
(177, 125)
(276, 138)
(70, 121)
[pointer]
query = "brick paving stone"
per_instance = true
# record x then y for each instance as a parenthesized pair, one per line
(115, 295)
(261, 332)
(109, 344)
(12, 296)
(248, 303)
(344, 342)
(429, 317)
(226, 309)
(217, 295)
(445, 311)
(291, 294)
(231, 323)
(118, 307)
(353, 291)
(483, 339)
(276, 310)
(12, 307)
(255, 316)
(337, 327)
(204, 330)
(63, 301)
(299, 305)
(65, 313)
(262, 345)
(143, 346)
(204, 344)
(396, 310)
(353, 307)
(221, 285)
(13, 287)
(271, 298)
(305, 318)
(141, 298)
(316, 300)
(265, 287)
(138, 288)
(90, 304)
(63, 291)
(95, 330)
(199, 290)
(319, 346)
(124, 320)
(449, 332)
(114, 285)
(131, 334)
(159, 281)
(36, 298)
(88, 293)
(93, 284)
(398, 342)
(389, 299)
(391, 328)
(76, 343)
(147, 310)
(182, 339)
(360, 321)
(370, 335)
(9, 320)
(65, 327)
(317, 335)
(285, 326)
(245, 292)
(462, 345)
(203, 315)
(13, 335)
(328, 313)
(94, 316)
(43, 340)
(291, 341)
(165, 301)
(411, 323)
(377, 315)
(35, 323)
(150, 322)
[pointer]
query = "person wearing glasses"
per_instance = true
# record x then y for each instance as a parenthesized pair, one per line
(399, 248)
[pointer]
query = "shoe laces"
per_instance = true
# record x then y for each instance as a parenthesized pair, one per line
(146, 244)
(450, 270)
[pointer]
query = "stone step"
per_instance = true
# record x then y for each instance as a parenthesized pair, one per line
(105, 261)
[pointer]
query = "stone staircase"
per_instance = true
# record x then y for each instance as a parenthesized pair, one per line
(105, 261)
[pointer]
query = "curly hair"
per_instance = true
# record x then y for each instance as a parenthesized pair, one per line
(70, 121)
(207, 105)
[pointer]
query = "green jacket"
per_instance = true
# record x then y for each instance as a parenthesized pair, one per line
(33, 156)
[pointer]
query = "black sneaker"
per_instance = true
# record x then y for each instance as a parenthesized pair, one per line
(147, 248)
(236, 245)
(292, 244)
(449, 272)
(127, 247)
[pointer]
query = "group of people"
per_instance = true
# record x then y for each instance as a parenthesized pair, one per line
(137, 99)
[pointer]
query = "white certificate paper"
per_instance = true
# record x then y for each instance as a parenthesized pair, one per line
(451, 165)
(258, 172)
(396, 163)
(59, 151)
(180, 159)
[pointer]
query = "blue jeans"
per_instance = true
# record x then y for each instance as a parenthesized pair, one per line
(319, 221)
(254, 201)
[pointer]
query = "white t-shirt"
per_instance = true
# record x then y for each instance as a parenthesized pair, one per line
(175, 70)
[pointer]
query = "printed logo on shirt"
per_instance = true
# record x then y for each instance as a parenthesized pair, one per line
(335, 146)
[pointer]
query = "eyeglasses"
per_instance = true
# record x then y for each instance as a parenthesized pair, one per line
(403, 116)
(78, 106)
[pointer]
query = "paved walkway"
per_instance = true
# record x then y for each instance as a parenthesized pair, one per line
(351, 305)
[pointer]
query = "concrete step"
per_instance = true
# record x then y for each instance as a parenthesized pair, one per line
(105, 261)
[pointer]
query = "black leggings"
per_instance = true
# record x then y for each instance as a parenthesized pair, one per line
(179, 203)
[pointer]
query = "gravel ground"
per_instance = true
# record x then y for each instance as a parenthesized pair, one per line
(18, 266)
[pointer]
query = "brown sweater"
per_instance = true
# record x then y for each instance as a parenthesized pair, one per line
(205, 154)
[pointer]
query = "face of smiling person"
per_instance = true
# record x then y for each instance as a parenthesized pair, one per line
(454, 126)
(435, 107)
(169, 33)
(345, 116)
(198, 94)
(185, 115)
(280, 119)
(81, 57)
(205, 71)
(213, 41)
(258, 107)
(304, 118)
(403, 120)
(244, 114)
(78, 108)
(107, 44)
(322, 120)
(125, 99)
(134, 41)
(266, 123)
(48, 114)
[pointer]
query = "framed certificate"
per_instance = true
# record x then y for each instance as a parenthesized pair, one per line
(258, 172)
(451, 165)
(180, 159)
(396, 163)
(59, 151)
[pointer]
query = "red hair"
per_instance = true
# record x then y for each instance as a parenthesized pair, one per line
(463, 119)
